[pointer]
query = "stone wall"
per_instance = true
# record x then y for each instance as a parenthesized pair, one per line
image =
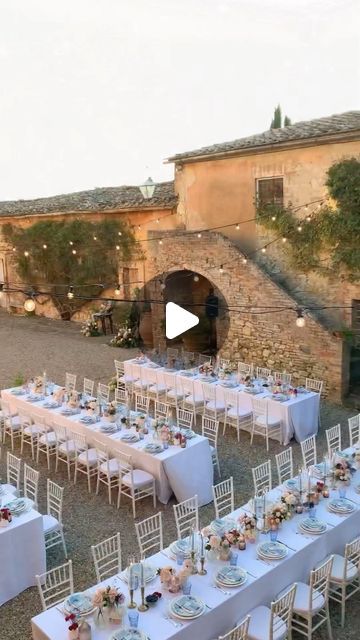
(265, 339)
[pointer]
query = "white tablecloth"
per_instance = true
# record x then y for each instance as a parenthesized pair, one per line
(266, 581)
(299, 415)
(22, 552)
(184, 472)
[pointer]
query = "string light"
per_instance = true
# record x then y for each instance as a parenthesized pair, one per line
(308, 218)
(74, 252)
(237, 227)
(119, 233)
(196, 278)
(244, 260)
(300, 320)
(284, 239)
(162, 285)
(71, 243)
(273, 218)
(44, 246)
(221, 270)
(199, 235)
(299, 227)
(70, 293)
(29, 305)
(160, 241)
(26, 254)
(263, 250)
(157, 220)
(117, 290)
(95, 237)
(117, 247)
(14, 248)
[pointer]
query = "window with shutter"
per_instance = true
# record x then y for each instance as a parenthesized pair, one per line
(270, 191)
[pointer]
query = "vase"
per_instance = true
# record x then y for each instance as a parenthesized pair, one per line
(212, 555)
(73, 634)
(224, 554)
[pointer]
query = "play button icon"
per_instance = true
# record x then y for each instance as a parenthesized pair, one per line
(178, 320)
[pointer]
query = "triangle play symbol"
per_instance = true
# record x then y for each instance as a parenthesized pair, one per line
(178, 320)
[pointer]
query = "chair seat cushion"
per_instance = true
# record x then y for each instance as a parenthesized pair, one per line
(14, 424)
(68, 447)
(34, 430)
(173, 393)
(49, 438)
(50, 523)
(194, 400)
(88, 457)
(157, 388)
(238, 413)
(140, 385)
(110, 468)
(215, 406)
(140, 478)
(271, 421)
(260, 623)
(302, 597)
(337, 571)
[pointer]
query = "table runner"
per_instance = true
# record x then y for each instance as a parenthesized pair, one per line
(265, 583)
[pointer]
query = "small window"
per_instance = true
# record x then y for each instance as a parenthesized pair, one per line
(270, 191)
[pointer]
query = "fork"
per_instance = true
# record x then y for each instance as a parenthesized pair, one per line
(226, 593)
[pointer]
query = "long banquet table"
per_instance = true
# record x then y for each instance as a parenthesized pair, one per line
(22, 552)
(265, 579)
(299, 415)
(184, 472)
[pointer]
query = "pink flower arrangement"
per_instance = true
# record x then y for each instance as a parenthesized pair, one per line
(107, 597)
(171, 580)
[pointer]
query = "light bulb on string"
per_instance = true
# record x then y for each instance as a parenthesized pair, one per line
(71, 243)
(29, 305)
(160, 241)
(308, 218)
(70, 293)
(157, 220)
(284, 239)
(263, 250)
(119, 233)
(26, 254)
(44, 246)
(299, 228)
(139, 227)
(244, 260)
(162, 285)
(95, 237)
(273, 218)
(14, 248)
(196, 278)
(221, 269)
(199, 235)
(117, 290)
(300, 320)
(74, 252)
(237, 227)
(117, 247)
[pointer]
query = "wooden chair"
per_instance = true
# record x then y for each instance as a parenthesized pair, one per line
(46, 443)
(55, 585)
(223, 494)
(142, 403)
(52, 520)
(149, 534)
(262, 478)
(31, 484)
(161, 410)
(264, 424)
(354, 430)
(308, 451)
(85, 459)
(210, 430)
(284, 465)
(30, 432)
(311, 603)
(283, 377)
(70, 382)
(193, 400)
(65, 448)
(333, 439)
(135, 484)
(240, 632)
(173, 391)
(186, 517)
(345, 576)
(103, 392)
(274, 622)
(12, 424)
(245, 369)
(107, 557)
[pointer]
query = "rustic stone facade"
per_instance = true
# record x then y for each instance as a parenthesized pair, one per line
(272, 339)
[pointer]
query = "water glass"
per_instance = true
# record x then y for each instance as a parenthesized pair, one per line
(273, 535)
(186, 588)
(165, 444)
(180, 558)
(133, 618)
(233, 558)
(312, 513)
(342, 492)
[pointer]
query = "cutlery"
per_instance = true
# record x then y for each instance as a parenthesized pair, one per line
(251, 574)
(174, 622)
(286, 545)
(226, 593)
(264, 562)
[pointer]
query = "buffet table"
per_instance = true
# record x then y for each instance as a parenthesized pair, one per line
(299, 415)
(22, 552)
(265, 579)
(184, 472)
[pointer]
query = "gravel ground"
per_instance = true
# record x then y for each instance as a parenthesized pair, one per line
(30, 345)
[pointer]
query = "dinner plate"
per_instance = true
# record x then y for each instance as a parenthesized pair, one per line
(188, 433)
(129, 437)
(109, 428)
(279, 397)
(181, 546)
(272, 550)
(229, 384)
(128, 634)
(313, 525)
(357, 488)
(153, 448)
(292, 484)
(78, 603)
(50, 404)
(36, 398)
(18, 391)
(231, 576)
(341, 505)
(252, 390)
(19, 506)
(220, 525)
(149, 570)
(186, 373)
(187, 607)
(206, 378)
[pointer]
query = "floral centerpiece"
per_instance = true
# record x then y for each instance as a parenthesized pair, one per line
(90, 328)
(233, 537)
(278, 513)
(356, 457)
(73, 399)
(107, 600)
(110, 411)
(290, 499)
(173, 581)
(341, 473)
(125, 338)
(91, 407)
(39, 384)
(5, 517)
(206, 369)
(219, 546)
(248, 526)
(226, 371)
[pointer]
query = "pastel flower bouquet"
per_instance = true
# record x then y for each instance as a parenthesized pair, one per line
(90, 328)
(173, 581)
(206, 369)
(219, 545)
(342, 473)
(125, 338)
(248, 526)
(277, 515)
(110, 411)
(108, 601)
(5, 517)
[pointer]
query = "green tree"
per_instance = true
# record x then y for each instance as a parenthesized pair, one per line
(277, 119)
(77, 253)
(287, 121)
(329, 243)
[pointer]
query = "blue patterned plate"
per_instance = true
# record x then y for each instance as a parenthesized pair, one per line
(187, 607)
(78, 603)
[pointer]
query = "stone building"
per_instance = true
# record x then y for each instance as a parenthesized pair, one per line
(215, 188)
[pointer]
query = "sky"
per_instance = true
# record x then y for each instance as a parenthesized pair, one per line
(97, 93)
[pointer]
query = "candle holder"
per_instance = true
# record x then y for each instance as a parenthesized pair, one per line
(194, 569)
(143, 606)
(132, 604)
(202, 571)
